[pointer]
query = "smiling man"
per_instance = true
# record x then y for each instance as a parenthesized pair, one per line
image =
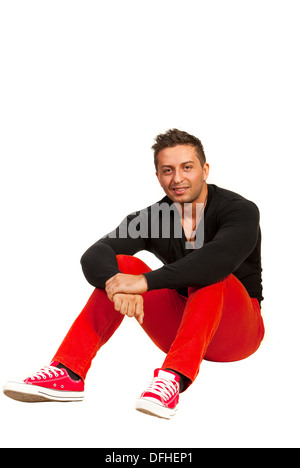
(203, 303)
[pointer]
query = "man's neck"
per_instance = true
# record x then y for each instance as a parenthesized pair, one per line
(193, 210)
(192, 213)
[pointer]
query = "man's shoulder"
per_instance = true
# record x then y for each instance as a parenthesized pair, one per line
(225, 196)
(226, 203)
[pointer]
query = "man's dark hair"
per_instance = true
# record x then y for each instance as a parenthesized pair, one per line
(174, 137)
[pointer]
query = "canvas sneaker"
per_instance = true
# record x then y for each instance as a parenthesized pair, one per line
(161, 398)
(48, 384)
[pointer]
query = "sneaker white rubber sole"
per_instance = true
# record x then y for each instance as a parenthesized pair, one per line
(154, 409)
(35, 394)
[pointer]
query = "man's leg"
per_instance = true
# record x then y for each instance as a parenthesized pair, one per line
(220, 323)
(183, 330)
(241, 329)
(99, 320)
(95, 325)
(91, 330)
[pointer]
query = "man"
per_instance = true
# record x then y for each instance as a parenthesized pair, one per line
(204, 302)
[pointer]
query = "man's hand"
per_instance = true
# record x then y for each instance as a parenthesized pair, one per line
(129, 284)
(130, 304)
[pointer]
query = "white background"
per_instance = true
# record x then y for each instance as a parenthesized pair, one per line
(85, 86)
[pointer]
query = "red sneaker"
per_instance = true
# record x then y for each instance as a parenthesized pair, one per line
(48, 384)
(162, 396)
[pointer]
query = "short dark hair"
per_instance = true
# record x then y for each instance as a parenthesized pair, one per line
(174, 137)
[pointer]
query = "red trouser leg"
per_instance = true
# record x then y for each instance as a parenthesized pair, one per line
(219, 322)
(95, 325)
(91, 330)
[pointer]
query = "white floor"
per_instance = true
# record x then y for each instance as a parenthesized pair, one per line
(253, 403)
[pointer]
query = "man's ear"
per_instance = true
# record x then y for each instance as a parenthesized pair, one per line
(206, 171)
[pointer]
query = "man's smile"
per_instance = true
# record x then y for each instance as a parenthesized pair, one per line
(179, 190)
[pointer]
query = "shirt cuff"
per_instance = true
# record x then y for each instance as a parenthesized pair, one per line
(156, 279)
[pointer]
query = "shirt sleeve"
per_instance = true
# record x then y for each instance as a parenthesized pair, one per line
(235, 239)
(99, 262)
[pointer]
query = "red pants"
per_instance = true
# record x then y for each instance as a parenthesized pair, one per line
(219, 323)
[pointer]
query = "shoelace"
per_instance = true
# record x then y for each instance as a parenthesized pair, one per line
(163, 387)
(46, 371)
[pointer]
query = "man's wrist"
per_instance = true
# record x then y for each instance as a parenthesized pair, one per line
(155, 279)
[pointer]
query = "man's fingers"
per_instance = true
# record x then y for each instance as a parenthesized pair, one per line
(113, 278)
(131, 307)
(109, 295)
(129, 304)
(140, 318)
(125, 306)
(139, 309)
(117, 302)
(110, 287)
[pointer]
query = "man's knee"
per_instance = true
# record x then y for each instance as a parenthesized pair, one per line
(212, 289)
(132, 265)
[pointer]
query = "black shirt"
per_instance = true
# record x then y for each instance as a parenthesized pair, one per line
(231, 244)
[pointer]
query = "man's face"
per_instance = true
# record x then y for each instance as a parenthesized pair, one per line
(181, 175)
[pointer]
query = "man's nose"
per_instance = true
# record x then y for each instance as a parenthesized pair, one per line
(177, 177)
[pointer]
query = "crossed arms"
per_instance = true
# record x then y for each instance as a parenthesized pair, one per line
(233, 242)
(125, 292)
